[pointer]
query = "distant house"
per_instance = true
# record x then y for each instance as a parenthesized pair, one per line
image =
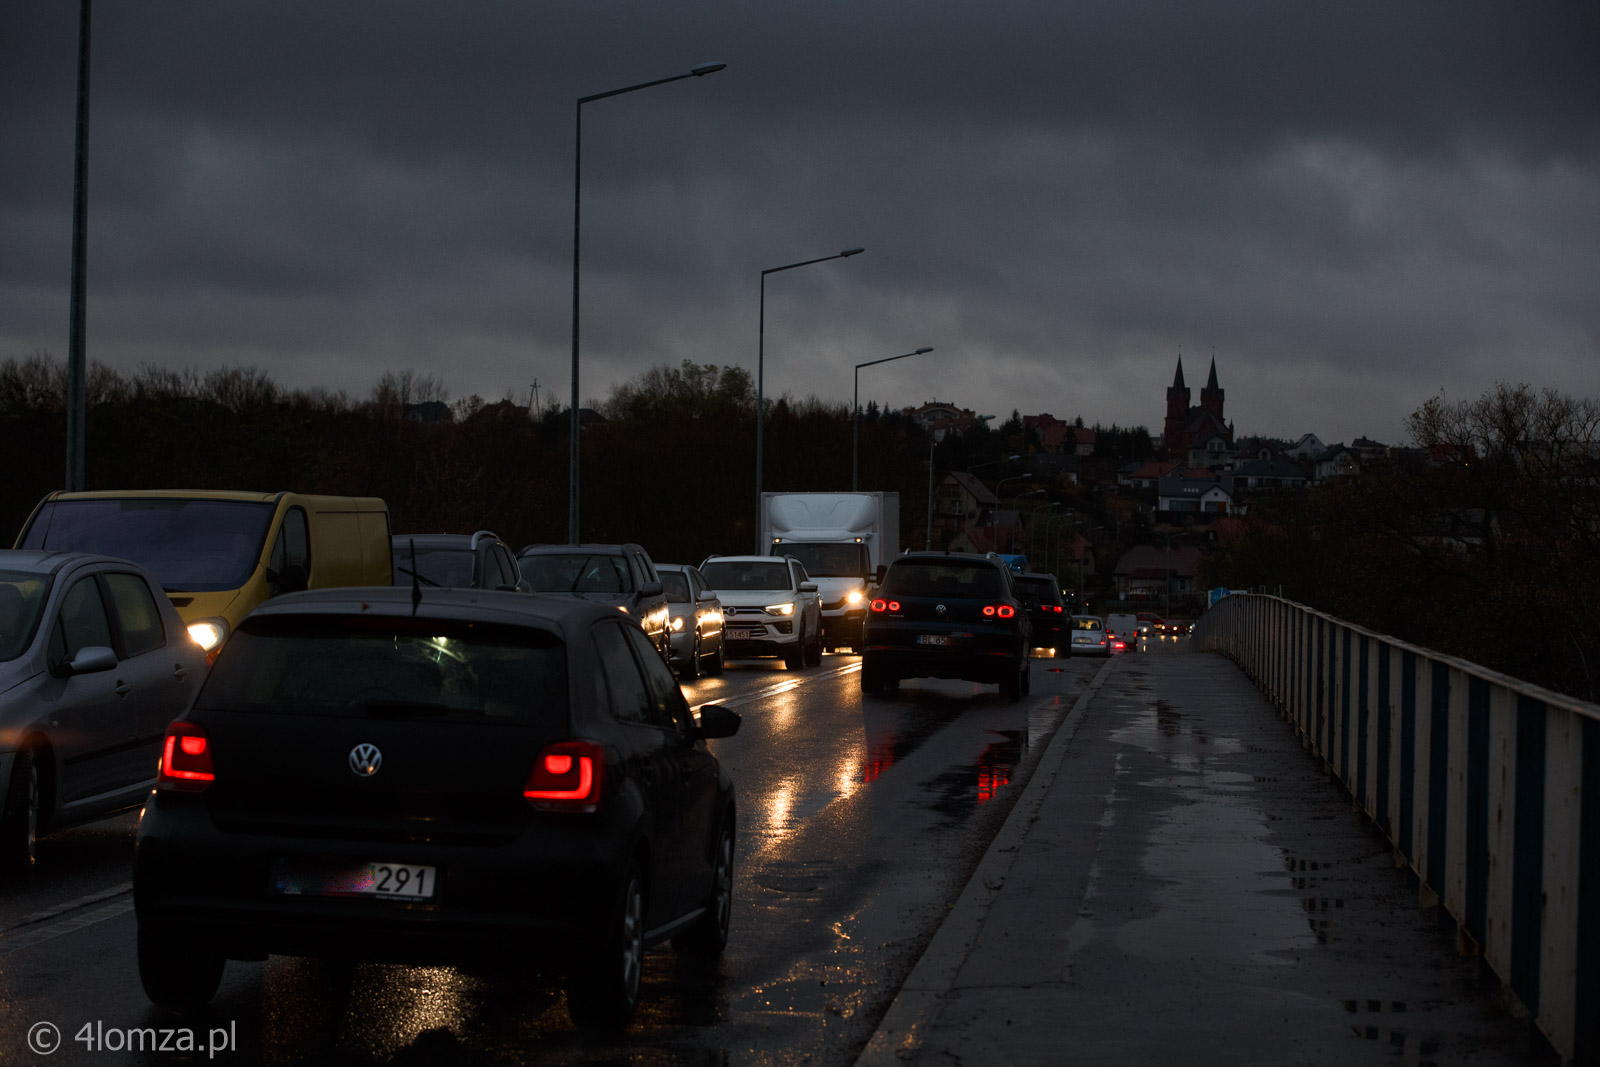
(1194, 493)
(936, 416)
(1309, 446)
(1146, 475)
(1057, 437)
(1337, 462)
(1155, 572)
(1269, 474)
(430, 411)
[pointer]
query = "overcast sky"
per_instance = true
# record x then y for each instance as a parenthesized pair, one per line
(1354, 205)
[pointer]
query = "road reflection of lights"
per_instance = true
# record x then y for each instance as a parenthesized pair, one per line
(778, 805)
(849, 777)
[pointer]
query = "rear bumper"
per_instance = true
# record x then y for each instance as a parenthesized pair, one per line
(533, 897)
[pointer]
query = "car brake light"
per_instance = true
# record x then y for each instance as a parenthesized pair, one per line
(566, 777)
(879, 605)
(185, 760)
(1004, 611)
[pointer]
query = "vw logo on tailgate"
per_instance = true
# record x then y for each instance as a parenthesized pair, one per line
(365, 760)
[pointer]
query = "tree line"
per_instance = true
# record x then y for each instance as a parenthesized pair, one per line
(1483, 541)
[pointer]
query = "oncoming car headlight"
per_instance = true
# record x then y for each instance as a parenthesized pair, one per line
(677, 624)
(853, 597)
(779, 609)
(209, 633)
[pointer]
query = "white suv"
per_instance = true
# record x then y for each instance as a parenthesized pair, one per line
(770, 607)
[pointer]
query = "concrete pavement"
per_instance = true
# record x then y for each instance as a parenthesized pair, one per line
(1180, 882)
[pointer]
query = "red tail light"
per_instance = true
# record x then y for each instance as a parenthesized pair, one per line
(185, 760)
(566, 777)
(988, 609)
(885, 605)
(1056, 608)
(1004, 611)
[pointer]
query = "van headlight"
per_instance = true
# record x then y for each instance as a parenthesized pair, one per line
(209, 633)
(853, 597)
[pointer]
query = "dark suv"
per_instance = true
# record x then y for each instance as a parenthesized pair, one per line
(622, 576)
(456, 561)
(947, 615)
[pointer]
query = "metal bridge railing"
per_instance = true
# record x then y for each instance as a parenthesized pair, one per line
(1488, 788)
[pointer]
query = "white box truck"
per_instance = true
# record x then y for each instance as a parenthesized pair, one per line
(841, 539)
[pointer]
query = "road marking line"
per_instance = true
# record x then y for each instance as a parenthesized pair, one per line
(784, 686)
(72, 905)
(13, 942)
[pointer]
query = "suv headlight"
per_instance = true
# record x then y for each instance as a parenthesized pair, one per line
(779, 609)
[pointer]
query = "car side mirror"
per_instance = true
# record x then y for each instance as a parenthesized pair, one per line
(650, 589)
(293, 578)
(877, 575)
(808, 587)
(717, 721)
(92, 659)
(706, 595)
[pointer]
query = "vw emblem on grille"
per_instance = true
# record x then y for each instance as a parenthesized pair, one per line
(365, 760)
(941, 609)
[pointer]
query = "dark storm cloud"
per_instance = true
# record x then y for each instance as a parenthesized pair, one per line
(1356, 204)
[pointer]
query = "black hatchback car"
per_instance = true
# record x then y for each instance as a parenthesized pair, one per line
(473, 777)
(1047, 612)
(946, 615)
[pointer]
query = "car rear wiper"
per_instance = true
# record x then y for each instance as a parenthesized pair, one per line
(423, 578)
(403, 708)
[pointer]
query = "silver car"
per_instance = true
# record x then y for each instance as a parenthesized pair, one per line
(694, 621)
(94, 663)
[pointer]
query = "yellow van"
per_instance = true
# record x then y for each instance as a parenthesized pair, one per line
(219, 554)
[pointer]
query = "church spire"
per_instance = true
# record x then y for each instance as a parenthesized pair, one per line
(1177, 380)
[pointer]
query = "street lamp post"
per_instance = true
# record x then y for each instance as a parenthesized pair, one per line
(855, 413)
(927, 544)
(1016, 521)
(761, 363)
(577, 201)
(994, 520)
(1033, 524)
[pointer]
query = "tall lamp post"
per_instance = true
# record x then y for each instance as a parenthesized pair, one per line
(855, 414)
(577, 201)
(761, 363)
(1017, 521)
(1033, 524)
(77, 360)
(994, 520)
(927, 544)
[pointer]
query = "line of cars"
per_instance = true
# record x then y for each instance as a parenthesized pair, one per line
(368, 748)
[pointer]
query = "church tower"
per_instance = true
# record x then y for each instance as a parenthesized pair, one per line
(1178, 409)
(1211, 395)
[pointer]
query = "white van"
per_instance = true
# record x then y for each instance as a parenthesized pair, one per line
(1125, 627)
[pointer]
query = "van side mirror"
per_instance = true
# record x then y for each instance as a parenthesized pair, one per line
(293, 579)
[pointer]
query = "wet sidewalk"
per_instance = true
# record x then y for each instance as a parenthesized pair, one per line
(1180, 883)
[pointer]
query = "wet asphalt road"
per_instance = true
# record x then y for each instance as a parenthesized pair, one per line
(861, 820)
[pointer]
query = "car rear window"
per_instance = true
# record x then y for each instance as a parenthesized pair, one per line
(948, 578)
(447, 567)
(1034, 591)
(390, 666)
(1085, 622)
(576, 572)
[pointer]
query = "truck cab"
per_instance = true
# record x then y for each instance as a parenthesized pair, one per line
(841, 539)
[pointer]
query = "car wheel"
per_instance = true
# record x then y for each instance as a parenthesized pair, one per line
(691, 665)
(719, 658)
(605, 995)
(871, 678)
(796, 656)
(174, 973)
(814, 652)
(709, 935)
(19, 815)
